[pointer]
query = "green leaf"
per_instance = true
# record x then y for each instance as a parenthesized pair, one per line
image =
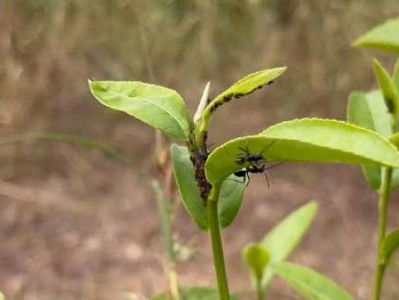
(256, 257)
(282, 240)
(370, 111)
(230, 199)
(383, 37)
(194, 293)
(395, 76)
(231, 194)
(389, 246)
(387, 87)
(250, 83)
(313, 140)
(159, 107)
(310, 284)
(2, 296)
(187, 186)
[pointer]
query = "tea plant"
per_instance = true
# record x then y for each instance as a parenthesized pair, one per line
(378, 110)
(211, 184)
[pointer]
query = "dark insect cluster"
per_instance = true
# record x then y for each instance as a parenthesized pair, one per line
(229, 97)
(257, 164)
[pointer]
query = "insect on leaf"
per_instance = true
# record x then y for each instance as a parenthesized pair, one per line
(159, 107)
(312, 140)
(231, 194)
(251, 83)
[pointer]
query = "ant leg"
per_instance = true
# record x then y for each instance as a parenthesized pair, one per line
(247, 177)
(267, 178)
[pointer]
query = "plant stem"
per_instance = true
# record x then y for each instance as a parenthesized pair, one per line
(384, 195)
(163, 204)
(259, 290)
(217, 246)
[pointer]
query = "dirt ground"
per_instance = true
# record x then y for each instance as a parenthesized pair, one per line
(93, 232)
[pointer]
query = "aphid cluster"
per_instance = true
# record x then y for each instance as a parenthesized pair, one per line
(229, 97)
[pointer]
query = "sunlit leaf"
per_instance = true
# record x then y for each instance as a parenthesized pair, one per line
(389, 246)
(160, 107)
(282, 240)
(231, 194)
(383, 37)
(312, 140)
(309, 283)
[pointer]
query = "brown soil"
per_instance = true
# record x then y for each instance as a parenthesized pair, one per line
(94, 233)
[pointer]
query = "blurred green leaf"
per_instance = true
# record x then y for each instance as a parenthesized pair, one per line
(388, 88)
(250, 83)
(2, 296)
(370, 111)
(231, 194)
(159, 107)
(310, 284)
(315, 140)
(389, 246)
(194, 293)
(395, 76)
(282, 240)
(383, 37)
(256, 257)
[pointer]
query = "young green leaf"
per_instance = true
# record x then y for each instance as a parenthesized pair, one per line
(194, 293)
(282, 240)
(159, 107)
(256, 257)
(315, 140)
(246, 85)
(388, 88)
(310, 284)
(231, 194)
(383, 37)
(369, 110)
(389, 246)
(253, 81)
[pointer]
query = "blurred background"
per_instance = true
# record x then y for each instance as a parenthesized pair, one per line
(76, 224)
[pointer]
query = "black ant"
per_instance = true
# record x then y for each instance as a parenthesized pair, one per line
(252, 158)
(252, 169)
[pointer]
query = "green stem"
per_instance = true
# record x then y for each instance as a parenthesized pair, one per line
(259, 290)
(217, 246)
(384, 195)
